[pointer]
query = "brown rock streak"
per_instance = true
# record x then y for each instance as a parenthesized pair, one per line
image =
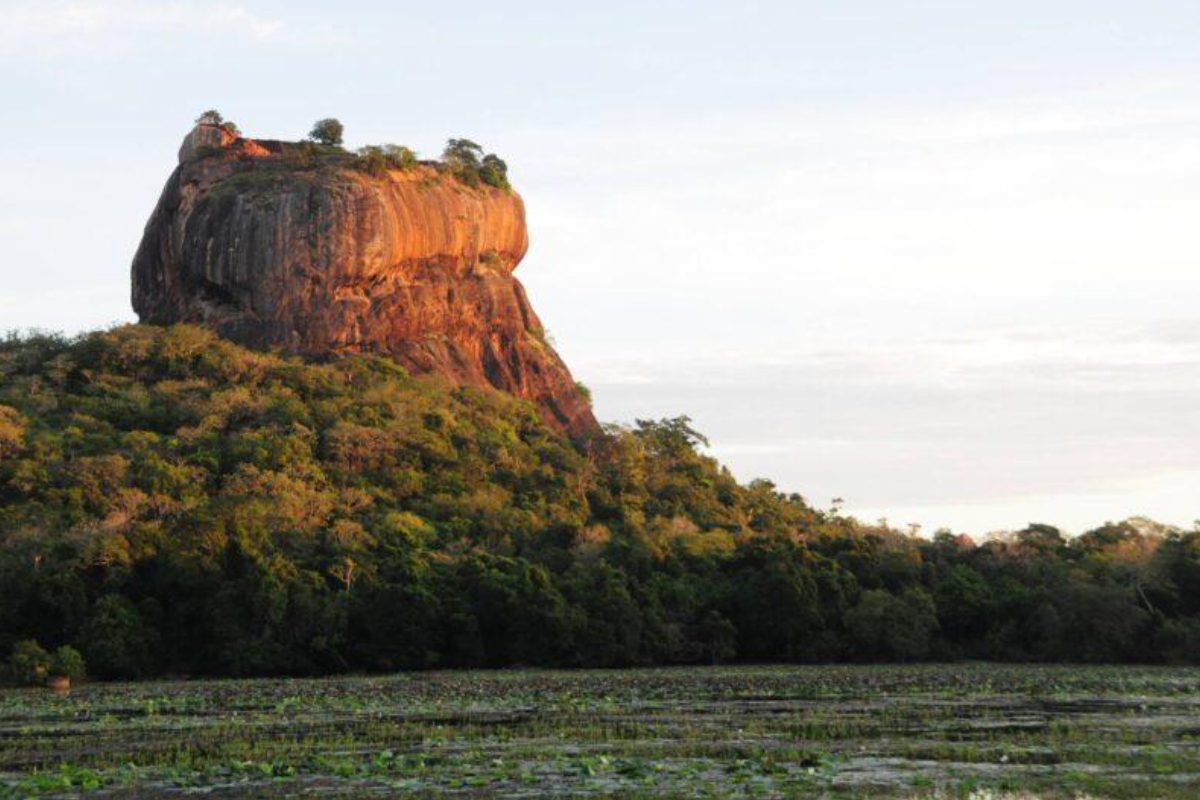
(329, 260)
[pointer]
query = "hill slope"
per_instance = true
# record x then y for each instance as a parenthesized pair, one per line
(171, 502)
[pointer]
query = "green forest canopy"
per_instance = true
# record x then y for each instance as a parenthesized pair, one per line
(171, 503)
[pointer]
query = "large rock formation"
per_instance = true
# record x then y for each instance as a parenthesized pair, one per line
(274, 247)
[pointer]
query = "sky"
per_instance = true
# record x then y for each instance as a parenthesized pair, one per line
(938, 259)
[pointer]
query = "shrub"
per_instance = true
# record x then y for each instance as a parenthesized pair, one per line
(377, 159)
(301, 154)
(718, 637)
(1179, 640)
(67, 662)
(371, 160)
(28, 664)
(584, 391)
(462, 155)
(399, 156)
(327, 131)
(467, 161)
(214, 117)
(884, 626)
(494, 172)
(12, 432)
(116, 640)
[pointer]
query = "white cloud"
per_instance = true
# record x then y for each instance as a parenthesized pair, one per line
(861, 223)
(66, 27)
(974, 431)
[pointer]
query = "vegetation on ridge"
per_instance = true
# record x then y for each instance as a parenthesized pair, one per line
(462, 158)
(170, 502)
(466, 160)
(327, 132)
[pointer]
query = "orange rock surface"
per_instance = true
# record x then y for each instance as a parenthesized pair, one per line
(323, 259)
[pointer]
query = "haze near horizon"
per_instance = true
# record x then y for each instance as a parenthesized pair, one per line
(937, 260)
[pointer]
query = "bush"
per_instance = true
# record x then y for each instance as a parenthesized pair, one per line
(462, 155)
(12, 432)
(67, 662)
(378, 159)
(494, 172)
(327, 131)
(468, 163)
(884, 626)
(399, 156)
(301, 154)
(116, 640)
(213, 117)
(1179, 640)
(718, 637)
(28, 664)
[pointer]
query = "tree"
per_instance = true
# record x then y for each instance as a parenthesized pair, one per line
(884, 626)
(12, 432)
(468, 163)
(225, 512)
(399, 156)
(327, 132)
(372, 160)
(462, 155)
(210, 117)
(493, 171)
(964, 602)
(670, 437)
(377, 159)
(29, 663)
(718, 636)
(68, 663)
(775, 606)
(116, 640)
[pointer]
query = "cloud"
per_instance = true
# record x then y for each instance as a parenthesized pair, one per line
(975, 431)
(66, 27)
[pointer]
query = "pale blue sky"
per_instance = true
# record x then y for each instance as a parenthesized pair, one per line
(938, 258)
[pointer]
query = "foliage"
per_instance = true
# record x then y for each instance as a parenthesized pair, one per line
(494, 171)
(462, 154)
(467, 161)
(12, 431)
(584, 391)
(28, 664)
(378, 159)
(890, 628)
(116, 639)
(67, 662)
(214, 117)
(718, 637)
(170, 502)
(327, 132)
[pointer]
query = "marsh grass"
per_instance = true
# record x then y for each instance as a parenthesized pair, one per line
(984, 732)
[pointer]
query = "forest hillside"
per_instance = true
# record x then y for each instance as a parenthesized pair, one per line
(172, 503)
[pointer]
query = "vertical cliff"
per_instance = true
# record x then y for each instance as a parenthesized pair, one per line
(276, 246)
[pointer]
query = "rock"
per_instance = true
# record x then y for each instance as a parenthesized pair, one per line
(204, 136)
(322, 259)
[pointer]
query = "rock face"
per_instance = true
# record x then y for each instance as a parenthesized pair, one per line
(319, 258)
